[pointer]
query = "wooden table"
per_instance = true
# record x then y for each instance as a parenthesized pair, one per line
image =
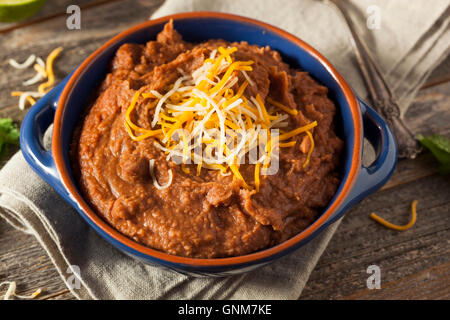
(414, 264)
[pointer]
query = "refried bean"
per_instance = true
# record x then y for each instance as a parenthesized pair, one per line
(207, 215)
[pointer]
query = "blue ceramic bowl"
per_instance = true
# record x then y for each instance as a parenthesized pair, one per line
(67, 101)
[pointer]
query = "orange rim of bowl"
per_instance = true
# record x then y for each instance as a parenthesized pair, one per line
(229, 261)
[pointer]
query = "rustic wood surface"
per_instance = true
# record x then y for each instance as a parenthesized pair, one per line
(415, 264)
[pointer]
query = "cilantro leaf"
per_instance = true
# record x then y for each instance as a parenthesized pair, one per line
(440, 148)
(9, 134)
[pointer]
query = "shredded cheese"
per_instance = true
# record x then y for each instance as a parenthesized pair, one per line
(212, 99)
(248, 78)
(257, 182)
(40, 62)
(287, 144)
(13, 63)
(185, 169)
(311, 148)
(11, 291)
(26, 96)
(155, 181)
(44, 70)
(297, 131)
(37, 78)
(282, 107)
(389, 225)
(49, 70)
(40, 69)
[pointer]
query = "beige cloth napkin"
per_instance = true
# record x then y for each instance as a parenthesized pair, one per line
(410, 42)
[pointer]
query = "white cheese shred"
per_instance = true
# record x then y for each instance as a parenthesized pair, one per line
(247, 77)
(37, 78)
(11, 291)
(24, 95)
(40, 62)
(155, 181)
(44, 70)
(30, 60)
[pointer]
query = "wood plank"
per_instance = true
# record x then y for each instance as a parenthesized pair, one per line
(430, 111)
(49, 10)
(409, 170)
(360, 242)
(98, 25)
(428, 114)
(26, 263)
(60, 295)
(440, 74)
(431, 283)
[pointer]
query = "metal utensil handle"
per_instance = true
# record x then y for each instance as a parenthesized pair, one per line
(383, 99)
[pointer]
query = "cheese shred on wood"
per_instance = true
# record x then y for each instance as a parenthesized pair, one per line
(389, 225)
(44, 70)
(211, 98)
(11, 291)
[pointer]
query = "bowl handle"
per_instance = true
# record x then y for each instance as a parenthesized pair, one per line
(371, 178)
(36, 122)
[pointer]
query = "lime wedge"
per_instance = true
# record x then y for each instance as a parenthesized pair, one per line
(15, 10)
